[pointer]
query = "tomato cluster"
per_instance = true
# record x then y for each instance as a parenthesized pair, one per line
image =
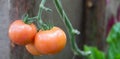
(43, 42)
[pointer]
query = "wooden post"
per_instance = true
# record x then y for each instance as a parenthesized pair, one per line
(17, 9)
(94, 23)
(92, 26)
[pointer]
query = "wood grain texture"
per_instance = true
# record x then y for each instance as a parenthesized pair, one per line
(17, 9)
(95, 23)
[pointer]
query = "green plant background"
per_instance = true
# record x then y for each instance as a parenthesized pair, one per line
(113, 51)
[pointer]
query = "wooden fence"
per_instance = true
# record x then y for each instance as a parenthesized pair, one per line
(88, 16)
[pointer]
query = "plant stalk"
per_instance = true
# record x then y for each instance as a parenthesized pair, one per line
(71, 31)
(41, 7)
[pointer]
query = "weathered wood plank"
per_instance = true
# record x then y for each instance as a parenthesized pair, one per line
(94, 30)
(17, 9)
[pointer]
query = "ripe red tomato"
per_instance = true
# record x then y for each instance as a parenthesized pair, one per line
(31, 49)
(21, 33)
(50, 41)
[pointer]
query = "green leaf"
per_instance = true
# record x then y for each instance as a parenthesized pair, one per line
(95, 53)
(113, 41)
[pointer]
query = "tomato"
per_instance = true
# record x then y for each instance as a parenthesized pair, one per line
(31, 49)
(21, 33)
(50, 41)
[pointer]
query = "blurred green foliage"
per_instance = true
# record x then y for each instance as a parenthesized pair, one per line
(95, 53)
(113, 40)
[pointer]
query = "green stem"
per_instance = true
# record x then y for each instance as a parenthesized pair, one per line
(71, 31)
(25, 19)
(32, 18)
(43, 26)
(41, 7)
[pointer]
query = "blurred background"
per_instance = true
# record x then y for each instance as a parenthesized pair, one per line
(90, 17)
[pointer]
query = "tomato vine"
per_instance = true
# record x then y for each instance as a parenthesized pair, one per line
(41, 26)
(71, 31)
(91, 51)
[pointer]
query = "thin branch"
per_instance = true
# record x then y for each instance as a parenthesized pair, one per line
(71, 31)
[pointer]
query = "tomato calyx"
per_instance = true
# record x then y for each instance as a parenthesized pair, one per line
(28, 20)
(45, 26)
(38, 22)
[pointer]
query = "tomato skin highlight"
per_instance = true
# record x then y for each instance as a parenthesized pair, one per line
(21, 33)
(50, 41)
(32, 50)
